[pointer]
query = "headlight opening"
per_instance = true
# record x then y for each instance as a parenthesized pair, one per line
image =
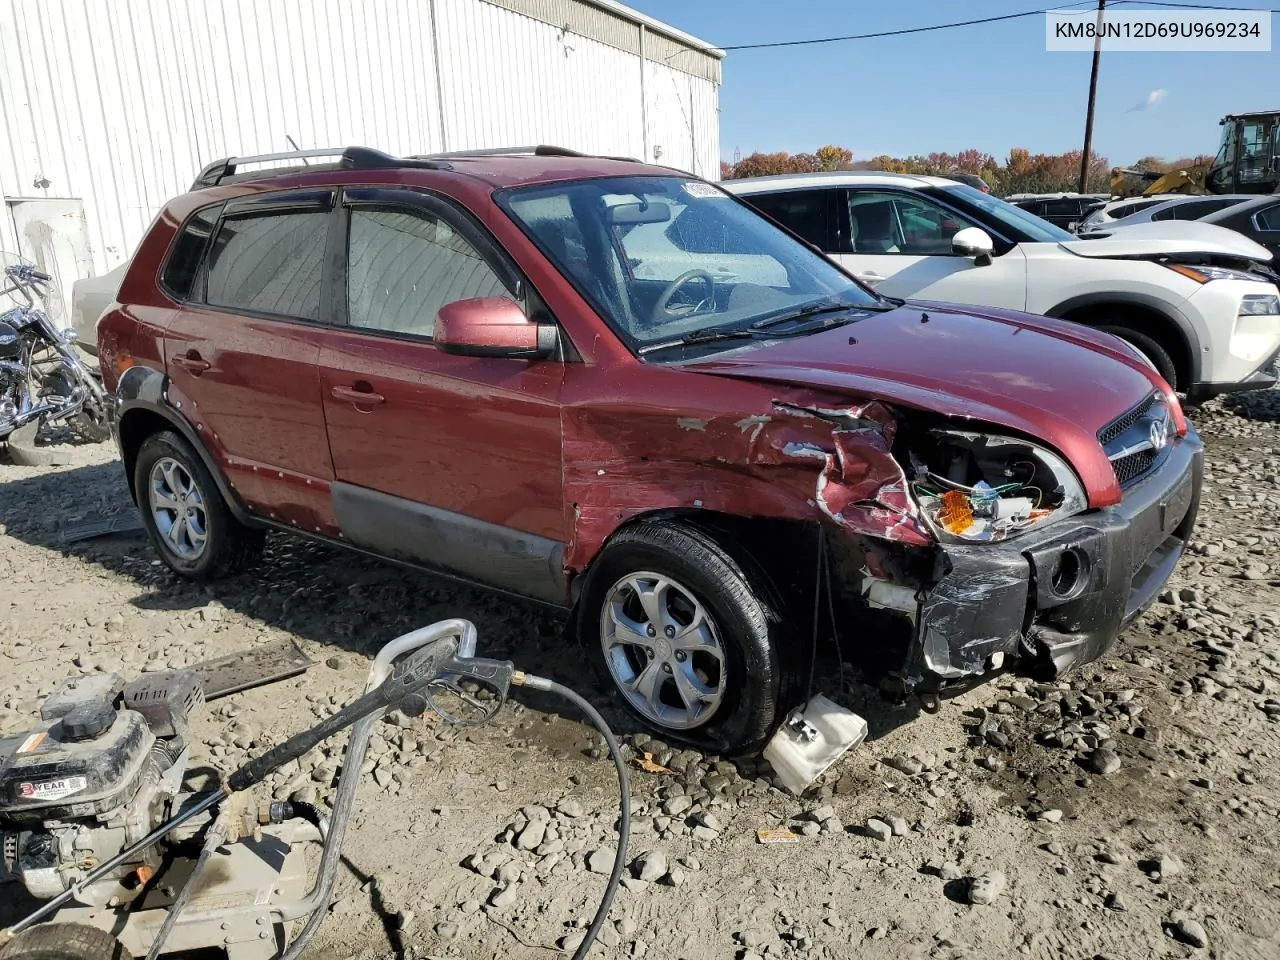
(978, 488)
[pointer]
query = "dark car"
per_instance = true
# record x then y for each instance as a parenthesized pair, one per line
(617, 390)
(972, 179)
(1257, 219)
(1066, 211)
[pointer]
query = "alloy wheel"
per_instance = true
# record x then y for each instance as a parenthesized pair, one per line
(663, 650)
(178, 509)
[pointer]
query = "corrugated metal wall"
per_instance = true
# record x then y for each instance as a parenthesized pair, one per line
(119, 104)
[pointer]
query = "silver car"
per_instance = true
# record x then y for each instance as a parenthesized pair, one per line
(1181, 208)
(89, 298)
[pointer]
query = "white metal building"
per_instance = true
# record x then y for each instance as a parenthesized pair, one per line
(108, 109)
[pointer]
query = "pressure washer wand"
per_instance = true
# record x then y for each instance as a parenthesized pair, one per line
(405, 687)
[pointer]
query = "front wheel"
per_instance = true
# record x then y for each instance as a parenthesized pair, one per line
(1151, 349)
(184, 514)
(685, 636)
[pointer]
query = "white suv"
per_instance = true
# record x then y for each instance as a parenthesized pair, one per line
(1198, 302)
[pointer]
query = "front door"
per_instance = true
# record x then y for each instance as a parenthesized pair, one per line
(241, 352)
(899, 243)
(445, 460)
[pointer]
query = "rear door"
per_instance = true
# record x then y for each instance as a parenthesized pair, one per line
(445, 460)
(900, 244)
(810, 214)
(241, 353)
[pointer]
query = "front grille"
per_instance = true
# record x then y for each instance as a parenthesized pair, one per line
(1116, 427)
(1130, 468)
(1129, 431)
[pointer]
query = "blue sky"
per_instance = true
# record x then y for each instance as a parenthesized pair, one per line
(990, 87)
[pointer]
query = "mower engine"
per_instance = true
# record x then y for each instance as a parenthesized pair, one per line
(100, 772)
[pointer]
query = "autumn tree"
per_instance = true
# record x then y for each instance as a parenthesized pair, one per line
(1151, 165)
(1021, 172)
(834, 158)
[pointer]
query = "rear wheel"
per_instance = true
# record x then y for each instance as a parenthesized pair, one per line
(63, 941)
(685, 636)
(184, 514)
(1150, 348)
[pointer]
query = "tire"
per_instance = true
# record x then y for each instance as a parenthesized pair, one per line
(64, 941)
(208, 541)
(746, 678)
(1151, 349)
(91, 425)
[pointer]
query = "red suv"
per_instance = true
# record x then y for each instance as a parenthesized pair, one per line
(616, 389)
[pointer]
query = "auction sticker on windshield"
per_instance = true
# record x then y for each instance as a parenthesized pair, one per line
(703, 191)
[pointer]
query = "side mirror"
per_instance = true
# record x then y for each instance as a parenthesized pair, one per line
(492, 327)
(973, 242)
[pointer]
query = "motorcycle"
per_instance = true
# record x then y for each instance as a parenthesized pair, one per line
(43, 380)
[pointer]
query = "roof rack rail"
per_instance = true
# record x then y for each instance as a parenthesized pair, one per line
(541, 150)
(350, 158)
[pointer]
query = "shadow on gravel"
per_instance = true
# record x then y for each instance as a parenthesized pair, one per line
(1260, 405)
(335, 597)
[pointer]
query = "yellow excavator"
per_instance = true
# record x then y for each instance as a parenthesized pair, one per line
(1127, 182)
(1247, 161)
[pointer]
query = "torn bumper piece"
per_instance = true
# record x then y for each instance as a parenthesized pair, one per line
(1060, 595)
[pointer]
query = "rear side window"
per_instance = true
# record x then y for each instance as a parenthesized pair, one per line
(1192, 210)
(1268, 219)
(269, 264)
(1062, 208)
(805, 213)
(404, 266)
(188, 250)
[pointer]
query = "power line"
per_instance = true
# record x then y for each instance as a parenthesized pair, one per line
(1198, 6)
(884, 33)
(970, 23)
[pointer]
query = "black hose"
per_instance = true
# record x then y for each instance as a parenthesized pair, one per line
(311, 813)
(624, 804)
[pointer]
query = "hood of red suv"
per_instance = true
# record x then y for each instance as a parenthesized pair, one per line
(1050, 380)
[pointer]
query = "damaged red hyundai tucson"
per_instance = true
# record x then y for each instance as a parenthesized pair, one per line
(616, 389)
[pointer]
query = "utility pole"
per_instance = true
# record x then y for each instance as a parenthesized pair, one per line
(1093, 94)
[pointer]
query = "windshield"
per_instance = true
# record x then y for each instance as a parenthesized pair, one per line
(662, 258)
(1019, 221)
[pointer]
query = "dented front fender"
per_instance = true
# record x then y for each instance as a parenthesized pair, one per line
(797, 455)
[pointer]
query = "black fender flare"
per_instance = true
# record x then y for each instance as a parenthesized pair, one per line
(1147, 302)
(143, 388)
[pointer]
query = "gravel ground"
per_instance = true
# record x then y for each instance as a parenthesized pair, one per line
(1130, 811)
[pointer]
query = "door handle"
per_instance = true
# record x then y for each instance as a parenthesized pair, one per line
(193, 363)
(868, 277)
(357, 396)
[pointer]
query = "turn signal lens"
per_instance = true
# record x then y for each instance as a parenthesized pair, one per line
(1191, 273)
(956, 515)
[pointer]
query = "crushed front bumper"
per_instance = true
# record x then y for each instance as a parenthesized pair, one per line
(1058, 597)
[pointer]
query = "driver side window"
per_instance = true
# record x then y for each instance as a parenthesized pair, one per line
(901, 223)
(404, 265)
